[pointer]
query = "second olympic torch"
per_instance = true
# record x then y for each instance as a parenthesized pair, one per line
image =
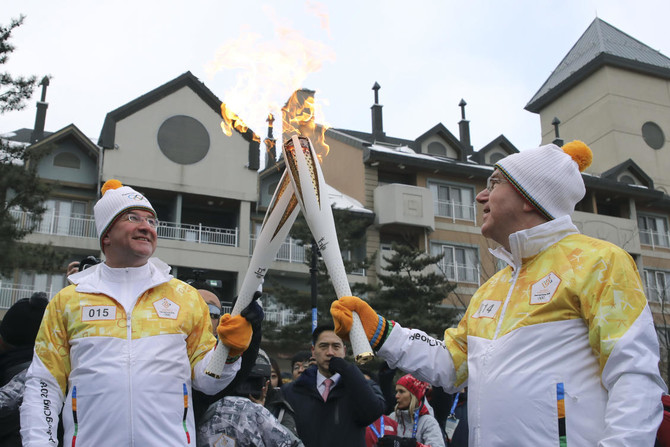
(278, 221)
(310, 190)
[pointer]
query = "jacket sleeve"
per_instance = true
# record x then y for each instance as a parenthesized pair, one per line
(421, 355)
(200, 344)
(431, 435)
(368, 404)
(622, 334)
(46, 380)
(11, 395)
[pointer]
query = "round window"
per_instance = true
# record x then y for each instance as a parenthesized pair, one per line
(653, 135)
(183, 139)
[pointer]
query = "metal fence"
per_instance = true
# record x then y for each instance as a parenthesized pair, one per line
(79, 225)
(280, 317)
(198, 233)
(289, 251)
(11, 294)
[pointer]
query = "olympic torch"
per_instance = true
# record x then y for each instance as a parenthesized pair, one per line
(310, 190)
(278, 221)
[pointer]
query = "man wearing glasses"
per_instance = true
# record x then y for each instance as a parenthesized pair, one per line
(558, 348)
(212, 300)
(121, 349)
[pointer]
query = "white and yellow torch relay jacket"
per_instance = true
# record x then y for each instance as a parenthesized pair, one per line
(119, 353)
(557, 349)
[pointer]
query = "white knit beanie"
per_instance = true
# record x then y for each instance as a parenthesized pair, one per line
(549, 177)
(117, 199)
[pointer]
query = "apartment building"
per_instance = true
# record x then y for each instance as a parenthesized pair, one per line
(610, 91)
(168, 144)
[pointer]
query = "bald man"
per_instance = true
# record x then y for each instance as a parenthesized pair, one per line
(213, 302)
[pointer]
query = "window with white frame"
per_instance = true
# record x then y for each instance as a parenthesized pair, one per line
(657, 283)
(65, 217)
(455, 201)
(653, 230)
(42, 282)
(458, 263)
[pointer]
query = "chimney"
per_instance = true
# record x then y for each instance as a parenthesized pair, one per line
(464, 128)
(558, 141)
(41, 115)
(270, 144)
(377, 125)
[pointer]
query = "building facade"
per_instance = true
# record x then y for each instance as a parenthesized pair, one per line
(610, 91)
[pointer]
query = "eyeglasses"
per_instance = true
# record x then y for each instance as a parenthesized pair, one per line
(214, 312)
(134, 218)
(491, 182)
(301, 365)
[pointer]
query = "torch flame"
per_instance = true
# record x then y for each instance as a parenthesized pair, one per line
(267, 70)
(298, 117)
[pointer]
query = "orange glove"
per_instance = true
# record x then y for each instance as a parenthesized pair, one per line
(375, 326)
(234, 332)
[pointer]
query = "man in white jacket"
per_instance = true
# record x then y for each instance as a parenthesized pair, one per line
(120, 350)
(558, 348)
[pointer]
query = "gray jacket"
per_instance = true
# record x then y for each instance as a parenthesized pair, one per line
(428, 430)
(245, 422)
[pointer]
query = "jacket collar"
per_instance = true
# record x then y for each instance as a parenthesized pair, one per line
(92, 279)
(530, 242)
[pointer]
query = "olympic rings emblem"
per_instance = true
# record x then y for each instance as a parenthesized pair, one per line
(134, 196)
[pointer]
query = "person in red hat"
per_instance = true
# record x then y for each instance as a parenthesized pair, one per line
(416, 426)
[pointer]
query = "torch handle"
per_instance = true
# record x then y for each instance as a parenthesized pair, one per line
(310, 190)
(278, 221)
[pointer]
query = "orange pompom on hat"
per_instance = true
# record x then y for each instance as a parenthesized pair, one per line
(117, 199)
(549, 177)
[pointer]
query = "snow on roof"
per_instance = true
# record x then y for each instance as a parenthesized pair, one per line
(343, 202)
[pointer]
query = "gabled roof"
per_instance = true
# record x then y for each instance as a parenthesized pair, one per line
(363, 139)
(601, 44)
(71, 131)
(500, 141)
(444, 133)
(187, 79)
(630, 166)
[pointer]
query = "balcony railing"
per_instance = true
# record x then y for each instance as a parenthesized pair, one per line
(79, 225)
(290, 250)
(456, 210)
(655, 238)
(198, 233)
(10, 294)
(281, 317)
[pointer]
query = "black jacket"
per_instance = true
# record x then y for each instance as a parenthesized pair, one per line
(340, 421)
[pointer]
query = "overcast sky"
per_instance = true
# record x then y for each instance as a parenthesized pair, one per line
(426, 55)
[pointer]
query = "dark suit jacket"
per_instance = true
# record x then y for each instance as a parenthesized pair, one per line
(340, 421)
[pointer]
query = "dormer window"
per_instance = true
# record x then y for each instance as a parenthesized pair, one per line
(436, 148)
(67, 160)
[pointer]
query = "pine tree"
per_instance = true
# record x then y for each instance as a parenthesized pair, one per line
(20, 187)
(410, 294)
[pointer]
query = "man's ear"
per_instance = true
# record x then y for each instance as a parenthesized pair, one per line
(105, 242)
